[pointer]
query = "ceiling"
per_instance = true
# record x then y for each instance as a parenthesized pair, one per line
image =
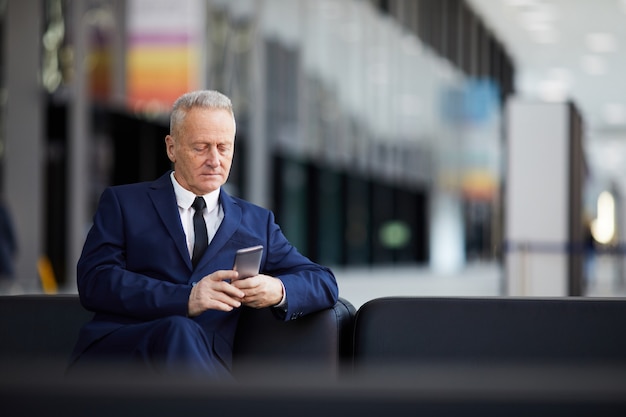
(571, 50)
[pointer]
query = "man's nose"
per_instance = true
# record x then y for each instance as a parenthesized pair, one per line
(213, 157)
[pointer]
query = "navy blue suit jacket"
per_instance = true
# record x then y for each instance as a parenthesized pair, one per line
(135, 266)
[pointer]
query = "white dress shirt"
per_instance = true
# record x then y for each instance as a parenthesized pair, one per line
(213, 215)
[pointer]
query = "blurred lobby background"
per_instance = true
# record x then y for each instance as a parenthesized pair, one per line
(380, 132)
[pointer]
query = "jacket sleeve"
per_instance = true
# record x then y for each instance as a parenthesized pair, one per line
(108, 284)
(309, 287)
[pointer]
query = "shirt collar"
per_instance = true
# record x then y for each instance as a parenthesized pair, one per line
(185, 198)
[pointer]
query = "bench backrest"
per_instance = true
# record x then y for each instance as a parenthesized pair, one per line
(46, 327)
(40, 326)
(499, 329)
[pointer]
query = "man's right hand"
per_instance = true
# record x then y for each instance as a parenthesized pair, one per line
(213, 293)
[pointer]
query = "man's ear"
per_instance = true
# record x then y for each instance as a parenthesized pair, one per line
(169, 148)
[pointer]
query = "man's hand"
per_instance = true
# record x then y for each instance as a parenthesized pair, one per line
(213, 293)
(260, 291)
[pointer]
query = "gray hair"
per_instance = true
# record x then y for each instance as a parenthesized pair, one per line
(207, 99)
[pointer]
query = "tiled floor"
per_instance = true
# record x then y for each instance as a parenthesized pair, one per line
(358, 285)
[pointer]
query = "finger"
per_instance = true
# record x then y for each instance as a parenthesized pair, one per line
(229, 290)
(223, 275)
(223, 306)
(247, 283)
(222, 293)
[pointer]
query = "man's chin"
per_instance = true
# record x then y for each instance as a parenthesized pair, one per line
(210, 185)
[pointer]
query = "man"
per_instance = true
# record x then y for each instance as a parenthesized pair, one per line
(152, 305)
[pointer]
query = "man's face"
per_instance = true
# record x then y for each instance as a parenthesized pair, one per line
(202, 149)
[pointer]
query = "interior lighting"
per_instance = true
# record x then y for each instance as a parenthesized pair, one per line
(538, 19)
(603, 226)
(554, 90)
(614, 113)
(601, 42)
(593, 65)
(545, 35)
(522, 3)
(395, 234)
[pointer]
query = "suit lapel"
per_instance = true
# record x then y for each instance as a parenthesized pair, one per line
(164, 200)
(230, 223)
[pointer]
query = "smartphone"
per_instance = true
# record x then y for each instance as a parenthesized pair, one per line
(248, 261)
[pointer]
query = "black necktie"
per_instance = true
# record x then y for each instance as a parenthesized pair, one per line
(199, 227)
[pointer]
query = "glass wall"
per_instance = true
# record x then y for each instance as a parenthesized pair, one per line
(371, 128)
(383, 123)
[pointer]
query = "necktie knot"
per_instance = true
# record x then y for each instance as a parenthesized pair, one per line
(198, 204)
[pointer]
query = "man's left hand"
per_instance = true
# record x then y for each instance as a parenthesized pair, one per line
(260, 290)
